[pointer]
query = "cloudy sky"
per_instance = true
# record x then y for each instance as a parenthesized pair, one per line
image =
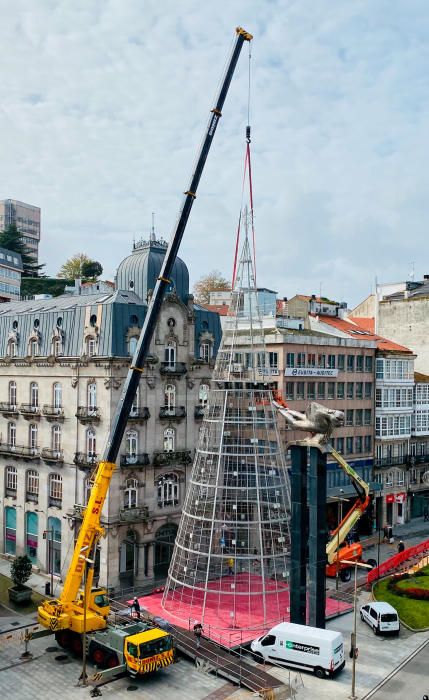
(104, 103)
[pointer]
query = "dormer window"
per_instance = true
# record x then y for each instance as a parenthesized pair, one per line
(34, 348)
(12, 348)
(205, 351)
(91, 347)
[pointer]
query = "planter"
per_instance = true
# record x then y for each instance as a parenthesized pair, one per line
(20, 595)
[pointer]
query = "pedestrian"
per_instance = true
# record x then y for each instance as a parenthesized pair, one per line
(135, 608)
(385, 534)
(198, 630)
(401, 546)
(231, 566)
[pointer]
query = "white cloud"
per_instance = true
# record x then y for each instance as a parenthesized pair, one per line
(104, 104)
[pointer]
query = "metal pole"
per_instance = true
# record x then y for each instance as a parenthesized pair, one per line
(51, 559)
(337, 575)
(353, 695)
(85, 577)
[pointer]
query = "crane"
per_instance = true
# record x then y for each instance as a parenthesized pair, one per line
(86, 611)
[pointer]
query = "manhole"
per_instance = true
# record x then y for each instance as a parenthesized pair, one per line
(132, 687)
(62, 659)
(50, 649)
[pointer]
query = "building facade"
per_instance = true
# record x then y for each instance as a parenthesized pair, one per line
(63, 362)
(10, 275)
(26, 217)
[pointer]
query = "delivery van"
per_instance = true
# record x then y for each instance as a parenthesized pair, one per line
(382, 617)
(302, 647)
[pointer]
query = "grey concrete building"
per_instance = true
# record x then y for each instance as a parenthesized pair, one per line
(62, 365)
(26, 217)
(10, 275)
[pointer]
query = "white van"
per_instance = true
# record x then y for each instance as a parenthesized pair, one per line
(382, 617)
(299, 646)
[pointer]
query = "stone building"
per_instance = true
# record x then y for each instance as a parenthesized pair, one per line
(62, 365)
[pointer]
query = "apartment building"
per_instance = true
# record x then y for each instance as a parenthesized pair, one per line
(10, 275)
(26, 217)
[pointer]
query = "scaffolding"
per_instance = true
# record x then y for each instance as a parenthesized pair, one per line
(230, 566)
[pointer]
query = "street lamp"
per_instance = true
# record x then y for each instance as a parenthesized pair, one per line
(354, 649)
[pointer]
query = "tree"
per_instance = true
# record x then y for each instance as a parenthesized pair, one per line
(92, 269)
(72, 268)
(213, 282)
(20, 571)
(11, 239)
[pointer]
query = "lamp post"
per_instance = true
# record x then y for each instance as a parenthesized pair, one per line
(354, 649)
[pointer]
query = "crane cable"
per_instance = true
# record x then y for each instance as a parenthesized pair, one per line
(247, 169)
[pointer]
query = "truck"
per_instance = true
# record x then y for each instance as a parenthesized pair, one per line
(80, 616)
(301, 647)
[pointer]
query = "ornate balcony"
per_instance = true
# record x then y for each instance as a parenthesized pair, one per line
(8, 409)
(173, 368)
(88, 414)
(174, 413)
(160, 459)
(85, 460)
(134, 460)
(29, 411)
(139, 414)
(198, 412)
(49, 455)
(52, 413)
(134, 515)
(20, 451)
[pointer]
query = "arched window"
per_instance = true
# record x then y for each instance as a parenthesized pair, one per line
(34, 395)
(12, 348)
(53, 564)
(170, 397)
(33, 433)
(168, 490)
(92, 396)
(91, 346)
(131, 446)
(11, 481)
(134, 411)
(31, 535)
(132, 344)
(56, 440)
(12, 395)
(34, 348)
(203, 394)
(11, 434)
(55, 490)
(131, 493)
(205, 351)
(10, 530)
(169, 439)
(170, 354)
(57, 345)
(58, 396)
(91, 445)
(32, 485)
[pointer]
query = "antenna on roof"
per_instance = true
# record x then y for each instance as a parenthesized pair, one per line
(152, 231)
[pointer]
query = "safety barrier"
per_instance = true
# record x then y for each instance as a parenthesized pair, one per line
(392, 564)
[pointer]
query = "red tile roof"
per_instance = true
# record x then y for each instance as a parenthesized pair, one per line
(360, 330)
(221, 309)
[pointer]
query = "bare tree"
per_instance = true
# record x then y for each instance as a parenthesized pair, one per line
(213, 282)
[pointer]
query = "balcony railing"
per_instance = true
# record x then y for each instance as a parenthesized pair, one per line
(20, 451)
(88, 414)
(134, 515)
(8, 409)
(53, 412)
(135, 460)
(137, 414)
(173, 368)
(50, 455)
(406, 460)
(162, 458)
(174, 413)
(85, 460)
(199, 412)
(29, 410)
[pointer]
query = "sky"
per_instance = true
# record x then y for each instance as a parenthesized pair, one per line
(104, 104)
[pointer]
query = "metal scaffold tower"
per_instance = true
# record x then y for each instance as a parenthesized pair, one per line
(230, 566)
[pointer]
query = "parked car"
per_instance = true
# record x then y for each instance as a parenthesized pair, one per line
(382, 617)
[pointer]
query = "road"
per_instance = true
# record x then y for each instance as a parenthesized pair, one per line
(410, 680)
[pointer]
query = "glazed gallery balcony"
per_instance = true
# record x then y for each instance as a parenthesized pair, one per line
(134, 460)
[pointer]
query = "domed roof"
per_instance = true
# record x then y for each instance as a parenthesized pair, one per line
(139, 271)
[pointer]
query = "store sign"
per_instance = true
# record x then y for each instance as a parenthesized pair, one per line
(400, 497)
(390, 498)
(310, 372)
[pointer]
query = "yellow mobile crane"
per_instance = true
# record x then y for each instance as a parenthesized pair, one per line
(137, 647)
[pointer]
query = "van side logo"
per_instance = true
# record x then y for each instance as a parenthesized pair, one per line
(306, 648)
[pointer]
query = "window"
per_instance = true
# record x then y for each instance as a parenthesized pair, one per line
(12, 394)
(34, 395)
(368, 390)
(54, 545)
(91, 346)
(359, 390)
(359, 416)
(168, 490)
(358, 444)
(12, 348)
(300, 390)
(57, 346)
(320, 390)
(401, 477)
(32, 485)
(368, 363)
(58, 396)
(349, 416)
(169, 439)
(132, 345)
(393, 426)
(340, 390)
(311, 390)
(367, 443)
(134, 410)
(321, 361)
(205, 351)
(349, 445)
(290, 359)
(10, 530)
(379, 369)
(331, 361)
(388, 479)
(378, 398)
(131, 493)
(92, 397)
(268, 641)
(91, 444)
(131, 446)
(340, 445)
(273, 358)
(11, 434)
(350, 363)
(170, 353)
(170, 397)
(34, 348)
(367, 420)
(203, 394)
(31, 535)
(350, 390)
(331, 390)
(290, 390)
(11, 481)
(55, 490)
(341, 361)
(311, 361)
(32, 436)
(300, 361)
(56, 440)
(359, 363)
